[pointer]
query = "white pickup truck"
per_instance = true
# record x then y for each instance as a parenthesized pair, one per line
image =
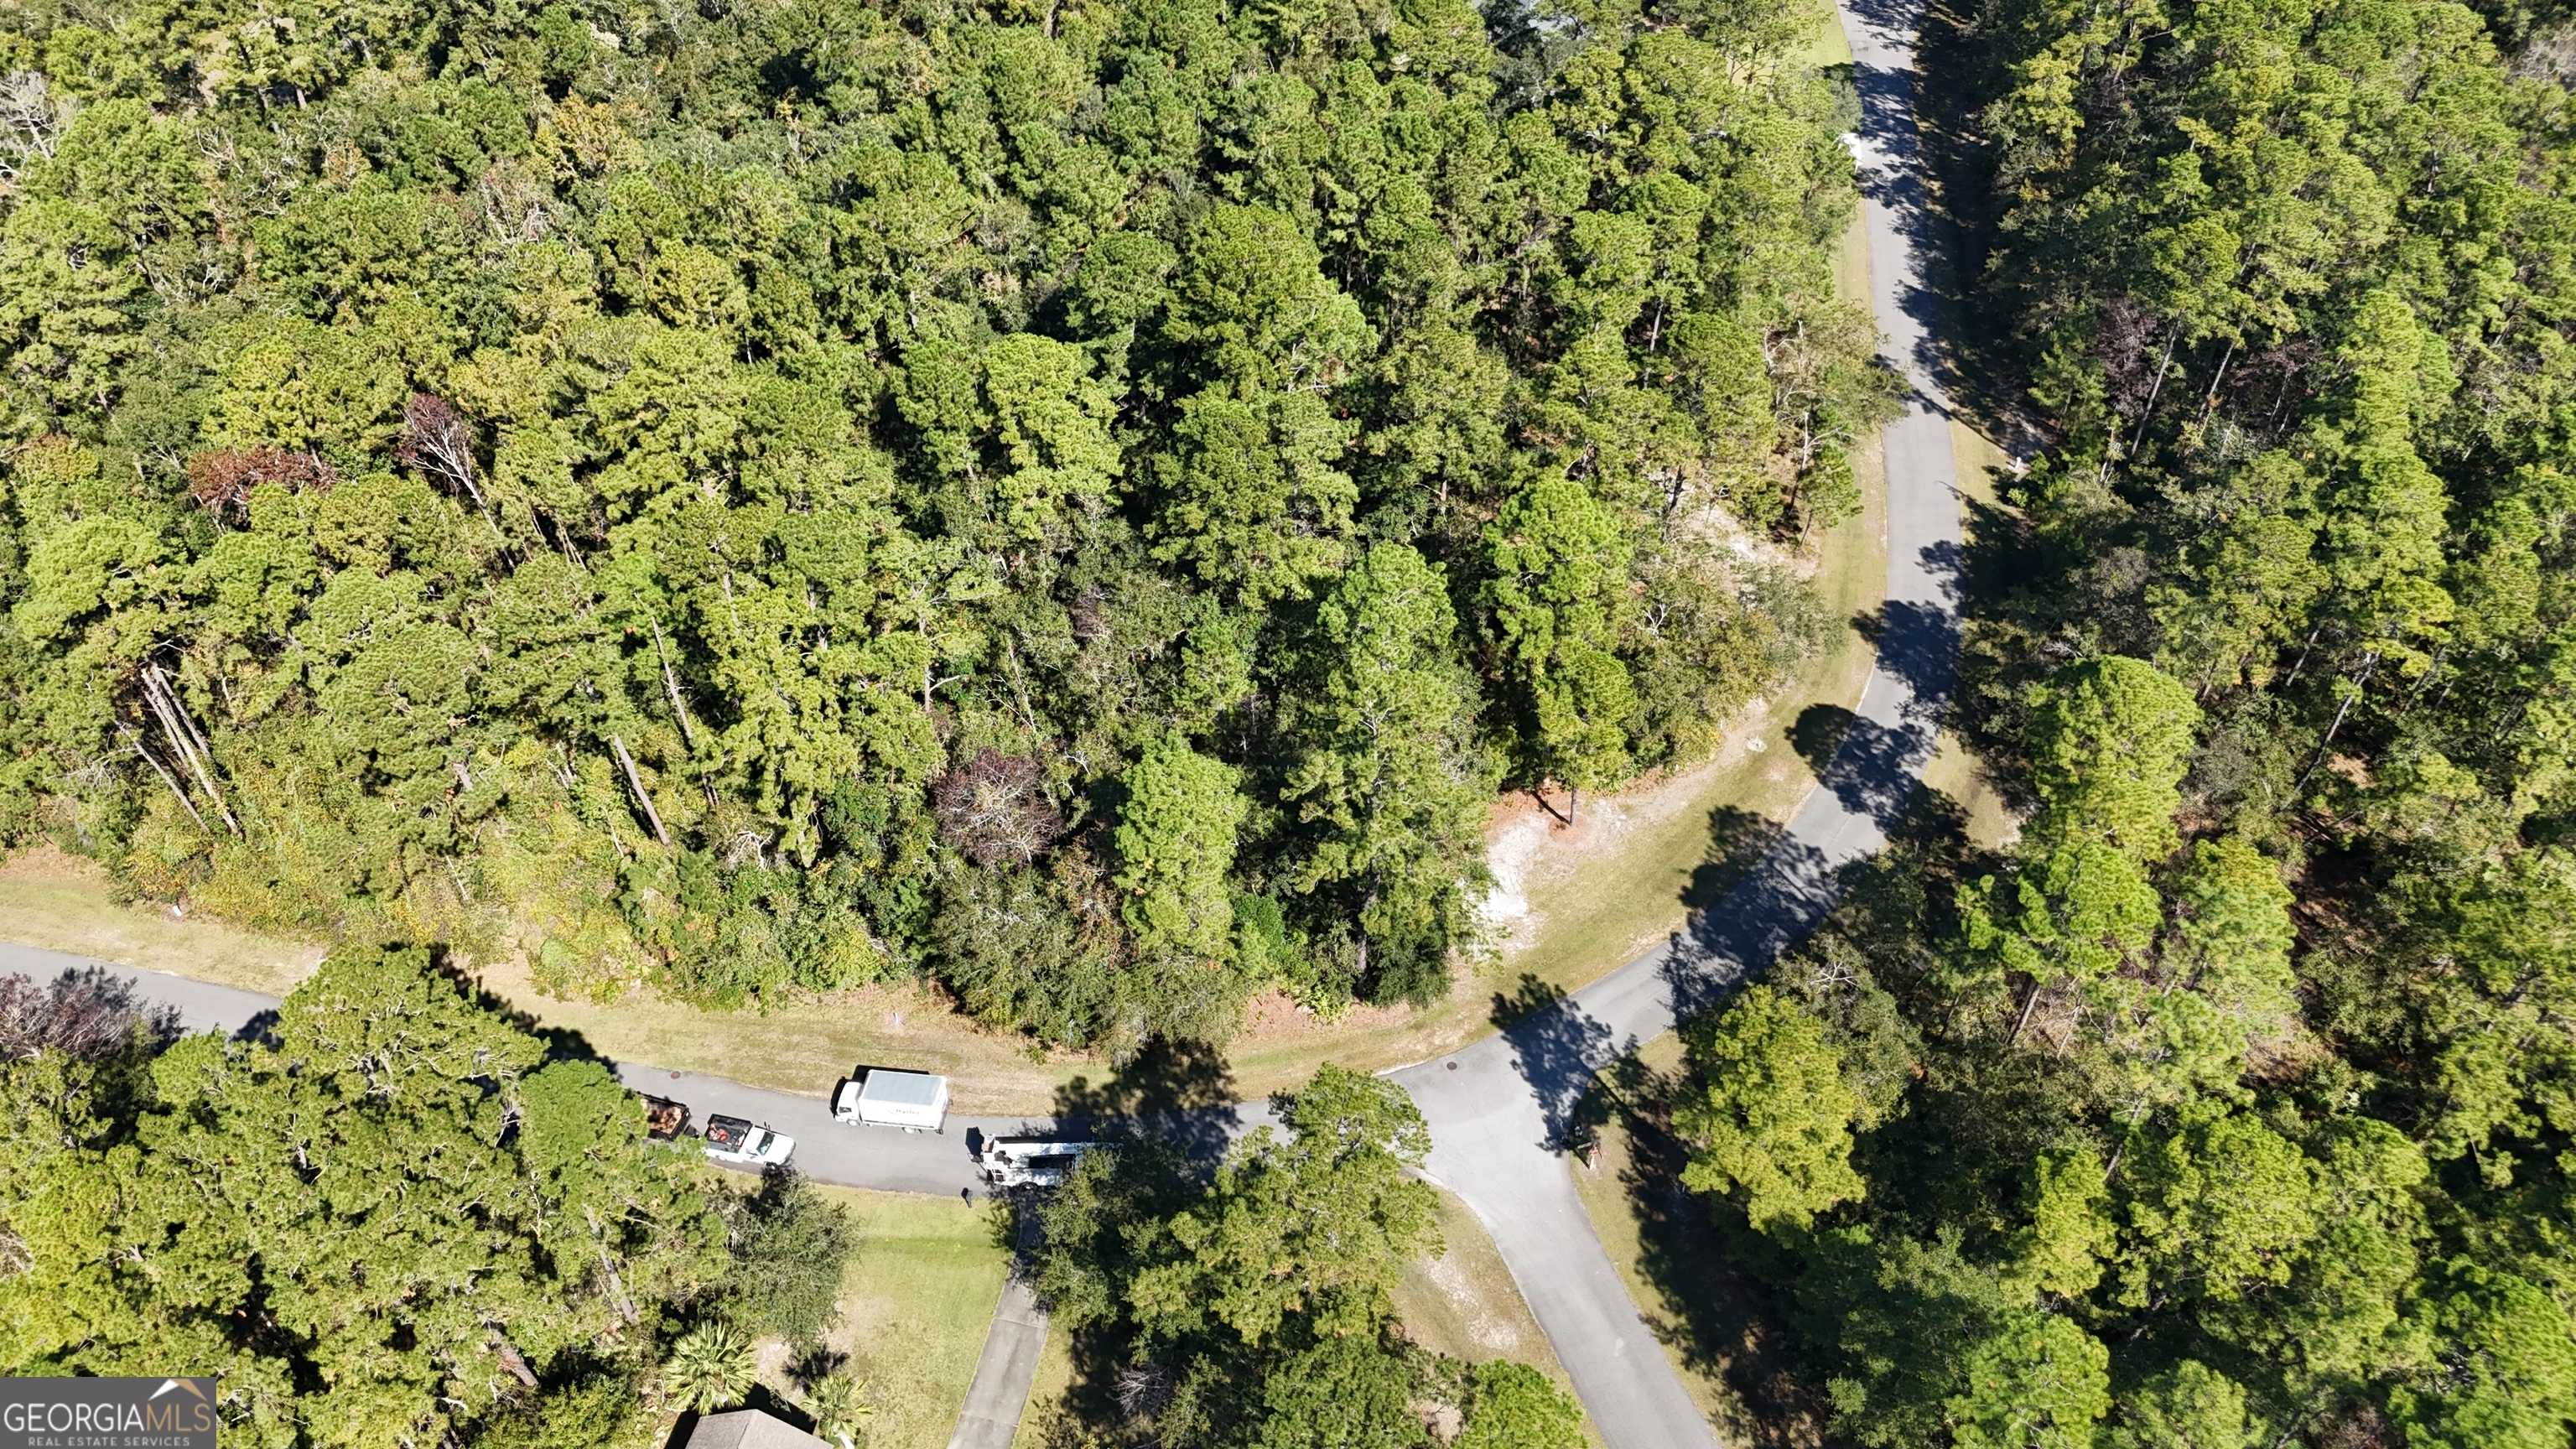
(731, 1139)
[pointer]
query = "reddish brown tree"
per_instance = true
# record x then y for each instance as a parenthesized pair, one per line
(994, 809)
(221, 480)
(87, 1013)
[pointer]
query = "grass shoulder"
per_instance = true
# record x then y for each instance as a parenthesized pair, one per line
(1717, 1326)
(1461, 1302)
(1464, 1303)
(63, 903)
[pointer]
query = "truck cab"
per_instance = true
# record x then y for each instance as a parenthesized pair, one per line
(746, 1144)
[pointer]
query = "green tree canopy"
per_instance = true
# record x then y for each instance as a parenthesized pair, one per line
(1773, 1127)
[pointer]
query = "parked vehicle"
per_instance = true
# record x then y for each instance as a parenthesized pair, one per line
(731, 1139)
(1020, 1162)
(913, 1101)
(664, 1119)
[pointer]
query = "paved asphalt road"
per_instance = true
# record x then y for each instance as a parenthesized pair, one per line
(827, 1151)
(1498, 1109)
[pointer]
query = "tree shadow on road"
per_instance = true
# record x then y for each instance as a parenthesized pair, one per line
(1557, 1047)
(1182, 1092)
(1762, 890)
(1719, 1322)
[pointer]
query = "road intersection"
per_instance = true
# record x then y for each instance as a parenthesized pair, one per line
(1500, 1108)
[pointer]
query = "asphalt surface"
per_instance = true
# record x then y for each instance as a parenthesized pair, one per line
(890, 1159)
(1500, 1109)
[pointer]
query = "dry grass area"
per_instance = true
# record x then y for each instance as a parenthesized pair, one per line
(1464, 1303)
(65, 903)
(808, 1045)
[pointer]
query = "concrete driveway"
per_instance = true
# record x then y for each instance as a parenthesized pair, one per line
(1000, 1390)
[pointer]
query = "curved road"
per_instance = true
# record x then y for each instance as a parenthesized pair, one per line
(1499, 1109)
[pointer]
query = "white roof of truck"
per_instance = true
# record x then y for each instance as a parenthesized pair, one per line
(907, 1089)
(1035, 1147)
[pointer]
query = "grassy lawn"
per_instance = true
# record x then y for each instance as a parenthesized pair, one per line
(1046, 1394)
(1713, 1321)
(915, 1305)
(1465, 1304)
(1826, 45)
(63, 903)
(1954, 770)
(807, 1045)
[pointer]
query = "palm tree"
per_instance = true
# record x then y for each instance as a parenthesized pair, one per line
(841, 1410)
(711, 1366)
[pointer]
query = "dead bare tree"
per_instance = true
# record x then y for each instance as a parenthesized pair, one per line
(135, 742)
(635, 782)
(222, 480)
(85, 1013)
(1144, 1391)
(185, 742)
(994, 809)
(437, 440)
(31, 121)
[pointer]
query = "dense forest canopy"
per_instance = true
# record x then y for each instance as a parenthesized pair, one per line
(391, 1217)
(2234, 1103)
(1086, 501)
(393, 1220)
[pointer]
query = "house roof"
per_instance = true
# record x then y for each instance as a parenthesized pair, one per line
(747, 1429)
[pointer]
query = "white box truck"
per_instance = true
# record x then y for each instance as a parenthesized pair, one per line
(913, 1101)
